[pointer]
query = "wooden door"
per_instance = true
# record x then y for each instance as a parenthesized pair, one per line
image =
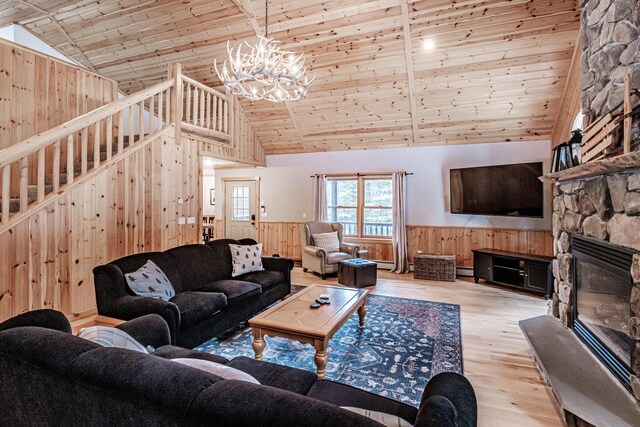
(241, 209)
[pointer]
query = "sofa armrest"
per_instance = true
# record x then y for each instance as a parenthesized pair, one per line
(45, 318)
(315, 251)
(130, 307)
(284, 265)
(149, 330)
(448, 399)
(350, 248)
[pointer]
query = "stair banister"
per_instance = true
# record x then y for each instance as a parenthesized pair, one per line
(42, 140)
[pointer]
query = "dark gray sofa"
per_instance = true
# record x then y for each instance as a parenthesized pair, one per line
(208, 300)
(50, 377)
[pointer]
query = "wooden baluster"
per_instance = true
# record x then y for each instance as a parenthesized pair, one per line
(40, 175)
(84, 150)
(56, 166)
(194, 118)
(152, 113)
(96, 144)
(24, 183)
(109, 137)
(226, 117)
(141, 121)
(120, 131)
(214, 113)
(202, 109)
(187, 118)
(6, 195)
(167, 110)
(220, 112)
(70, 163)
(208, 123)
(132, 131)
(159, 111)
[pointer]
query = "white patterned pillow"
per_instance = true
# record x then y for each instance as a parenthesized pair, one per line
(246, 258)
(327, 241)
(111, 337)
(383, 418)
(150, 282)
(223, 371)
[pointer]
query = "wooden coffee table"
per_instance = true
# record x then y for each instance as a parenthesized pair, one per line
(294, 319)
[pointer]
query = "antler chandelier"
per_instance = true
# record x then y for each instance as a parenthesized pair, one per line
(265, 72)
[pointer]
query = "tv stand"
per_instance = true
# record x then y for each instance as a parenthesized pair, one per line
(526, 272)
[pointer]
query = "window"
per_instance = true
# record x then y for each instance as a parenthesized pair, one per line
(240, 202)
(362, 204)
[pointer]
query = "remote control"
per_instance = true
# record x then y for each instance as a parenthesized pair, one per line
(315, 305)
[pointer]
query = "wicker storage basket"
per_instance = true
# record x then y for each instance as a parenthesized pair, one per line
(434, 267)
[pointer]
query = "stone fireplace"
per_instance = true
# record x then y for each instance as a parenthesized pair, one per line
(607, 209)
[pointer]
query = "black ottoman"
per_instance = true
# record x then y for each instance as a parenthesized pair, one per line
(357, 273)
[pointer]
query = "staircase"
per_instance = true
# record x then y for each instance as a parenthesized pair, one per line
(40, 169)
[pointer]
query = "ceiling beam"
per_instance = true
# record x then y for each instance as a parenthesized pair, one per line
(408, 54)
(55, 22)
(246, 8)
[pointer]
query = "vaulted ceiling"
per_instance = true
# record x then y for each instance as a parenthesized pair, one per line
(497, 72)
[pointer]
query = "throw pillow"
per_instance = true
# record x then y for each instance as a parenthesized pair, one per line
(327, 241)
(223, 371)
(246, 258)
(150, 282)
(385, 419)
(111, 337)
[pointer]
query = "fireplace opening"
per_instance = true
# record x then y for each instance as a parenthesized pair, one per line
(602, 287)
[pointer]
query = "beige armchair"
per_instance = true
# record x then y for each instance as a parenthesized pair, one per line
(317, 259)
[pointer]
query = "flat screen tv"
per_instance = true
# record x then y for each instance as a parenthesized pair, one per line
(504, 190)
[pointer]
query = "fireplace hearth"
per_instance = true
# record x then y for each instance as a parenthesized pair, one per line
(602, 299)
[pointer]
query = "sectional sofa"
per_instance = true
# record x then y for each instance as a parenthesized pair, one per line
(208, 300)
(50, 377)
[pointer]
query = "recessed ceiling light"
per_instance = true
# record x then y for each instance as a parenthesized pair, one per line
(428, 44)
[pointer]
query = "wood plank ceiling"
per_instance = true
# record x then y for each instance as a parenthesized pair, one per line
(497, 72)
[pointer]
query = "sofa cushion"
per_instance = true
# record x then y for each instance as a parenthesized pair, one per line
(195, 306)
(327, 241)
(246, 258)
(111, 337)
(219, 369)
(336, 257)
(386, 420)
(222, 257)
(150, 281)
(131, 263)
(174, 352)
(236, 291)
(196, 265)
(345, 395)
(278, 376)
(265, 278)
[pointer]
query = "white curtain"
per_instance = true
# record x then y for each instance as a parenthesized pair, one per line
(320, 198)
(399, 239)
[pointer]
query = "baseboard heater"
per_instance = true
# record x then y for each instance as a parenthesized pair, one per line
(460, 271)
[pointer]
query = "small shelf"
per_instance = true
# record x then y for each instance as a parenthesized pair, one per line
(508, 268)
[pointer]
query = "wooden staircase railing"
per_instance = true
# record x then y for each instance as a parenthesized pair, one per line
(206, 111)
(40, 169)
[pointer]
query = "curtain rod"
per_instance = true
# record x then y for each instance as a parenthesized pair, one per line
(361, 174)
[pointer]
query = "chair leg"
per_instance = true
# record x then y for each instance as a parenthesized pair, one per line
(323, 276)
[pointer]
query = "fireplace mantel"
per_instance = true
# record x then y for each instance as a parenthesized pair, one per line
(596, 168)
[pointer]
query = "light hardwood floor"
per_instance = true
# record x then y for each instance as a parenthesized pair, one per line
(497, 359)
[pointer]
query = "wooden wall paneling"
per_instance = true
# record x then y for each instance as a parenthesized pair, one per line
(54, 251)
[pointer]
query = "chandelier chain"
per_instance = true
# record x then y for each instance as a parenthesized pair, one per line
(266, 18)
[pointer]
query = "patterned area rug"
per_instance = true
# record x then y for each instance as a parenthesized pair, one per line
(403, 344)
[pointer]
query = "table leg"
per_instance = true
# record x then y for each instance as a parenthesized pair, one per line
(321, 360)
(362, 312)
(258, 346)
